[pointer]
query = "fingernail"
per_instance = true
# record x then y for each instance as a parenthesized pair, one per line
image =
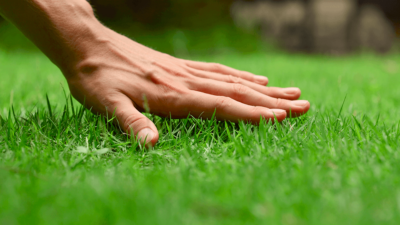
(261, 79)
(291, 91)
(301, 103)
(145, 134)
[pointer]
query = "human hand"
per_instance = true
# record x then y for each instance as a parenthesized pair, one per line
(113, 75)
(122, 78)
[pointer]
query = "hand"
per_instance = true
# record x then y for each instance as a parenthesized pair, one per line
(114, 75)
(121, 77)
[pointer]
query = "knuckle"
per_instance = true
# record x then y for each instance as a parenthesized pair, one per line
(222, 102)
(172, 88)
(150, 74)
(267, 90)
(234, 79)
(279, 102)
(256, 111)
(166, 92)
(182, 74)
(168, 98)
(240, 90)
(191, 81)
(152, 62)
(217, 66)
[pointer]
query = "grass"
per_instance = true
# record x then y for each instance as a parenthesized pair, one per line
(339, 164)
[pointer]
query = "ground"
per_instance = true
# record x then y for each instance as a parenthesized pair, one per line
(338, 164)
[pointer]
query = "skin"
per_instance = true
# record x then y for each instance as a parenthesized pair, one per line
(113, 75)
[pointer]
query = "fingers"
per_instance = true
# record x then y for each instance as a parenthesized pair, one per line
(134, 122)
(221, 69)
(248, 96)
(225, 108)
(284, 93)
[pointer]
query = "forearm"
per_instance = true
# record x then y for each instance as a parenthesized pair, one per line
(63, 30)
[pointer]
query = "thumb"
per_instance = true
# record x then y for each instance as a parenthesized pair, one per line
(134, 122)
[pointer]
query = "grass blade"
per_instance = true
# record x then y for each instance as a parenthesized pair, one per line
(340, 112)
(49, 106)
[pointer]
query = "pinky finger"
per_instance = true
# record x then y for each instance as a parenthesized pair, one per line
(225, 70)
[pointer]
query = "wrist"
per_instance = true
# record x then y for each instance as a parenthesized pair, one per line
(83, 42)
(73, 31)
(64, 30)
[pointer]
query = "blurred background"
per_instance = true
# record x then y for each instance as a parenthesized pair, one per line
(182, 27)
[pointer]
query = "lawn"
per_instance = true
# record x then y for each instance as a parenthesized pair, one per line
(339, 164)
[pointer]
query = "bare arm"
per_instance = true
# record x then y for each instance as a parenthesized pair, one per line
(63, 30)
(112, 73)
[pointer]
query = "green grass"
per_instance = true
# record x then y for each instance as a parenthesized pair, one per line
(336, 165)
